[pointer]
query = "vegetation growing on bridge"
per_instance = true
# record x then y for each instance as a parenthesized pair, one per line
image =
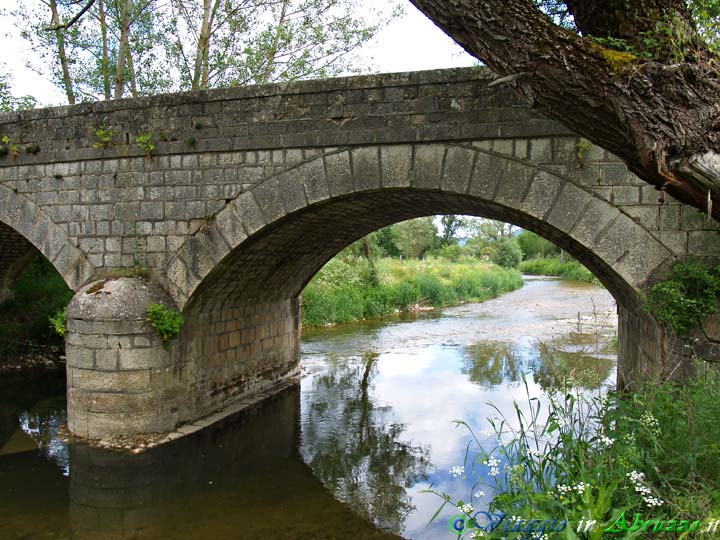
(687, 297)
(166, 322)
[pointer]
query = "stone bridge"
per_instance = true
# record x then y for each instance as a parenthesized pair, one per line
(249, 191)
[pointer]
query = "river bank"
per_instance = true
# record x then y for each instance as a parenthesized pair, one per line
(343, 292)
(554, 266)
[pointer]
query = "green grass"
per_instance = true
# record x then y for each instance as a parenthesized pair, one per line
(24, 321)
(343, 292)
(555, 267)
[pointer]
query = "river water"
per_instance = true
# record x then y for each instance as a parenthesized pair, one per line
(346, 455)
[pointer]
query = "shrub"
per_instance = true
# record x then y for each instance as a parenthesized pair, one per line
(58, 322)
(507, 254)
(166, 322)
(686, 298)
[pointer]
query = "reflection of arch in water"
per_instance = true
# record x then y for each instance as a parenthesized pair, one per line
(242, 479)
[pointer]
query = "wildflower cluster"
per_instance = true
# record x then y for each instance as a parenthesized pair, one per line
(566, 490)
(494, 465)
(605, 441)
(457, 471)
(479, 494)
(638, 481)
(650, 422)
(466, 509)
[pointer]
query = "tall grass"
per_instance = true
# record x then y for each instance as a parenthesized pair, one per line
(343, 292)
(580, 455)
(553, 266)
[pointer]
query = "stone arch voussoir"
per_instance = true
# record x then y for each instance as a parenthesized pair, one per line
(475, 180)
(32, 223)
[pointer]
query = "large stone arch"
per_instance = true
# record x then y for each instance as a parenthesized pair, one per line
(238, 278)
(270, 240)
(25, 230)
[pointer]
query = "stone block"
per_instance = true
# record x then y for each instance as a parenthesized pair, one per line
(427, 166)
(366, 167)
(458, 167)
(128, 382)
(396, 165)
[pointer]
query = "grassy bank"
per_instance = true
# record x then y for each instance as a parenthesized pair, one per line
(24, 325)
(653, 453)
(343, 292)
(555, 267)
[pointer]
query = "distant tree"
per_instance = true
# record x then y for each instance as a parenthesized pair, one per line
(416, 236)
(8, 102)
(451, 225)
(534, 246)
(490, 230)
(506, 253)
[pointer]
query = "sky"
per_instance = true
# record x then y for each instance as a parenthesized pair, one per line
(409, 43)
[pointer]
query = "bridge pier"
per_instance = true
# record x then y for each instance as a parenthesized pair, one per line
(123, 381)
(119, 374)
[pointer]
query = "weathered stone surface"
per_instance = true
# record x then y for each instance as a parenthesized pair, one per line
(281, 178)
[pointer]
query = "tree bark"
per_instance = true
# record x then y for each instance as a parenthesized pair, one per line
(662, 119)
(125, 18)
(105, 54)
(62, 56)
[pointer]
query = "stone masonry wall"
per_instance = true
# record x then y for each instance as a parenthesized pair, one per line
(250, 190)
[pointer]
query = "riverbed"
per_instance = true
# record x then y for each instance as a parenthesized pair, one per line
(346, 455)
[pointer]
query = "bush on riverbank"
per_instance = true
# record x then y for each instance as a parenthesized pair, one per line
(343, 292)
(24, 321)
(654, 452)
(553, 266)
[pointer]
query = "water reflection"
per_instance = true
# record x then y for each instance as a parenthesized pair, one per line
(240, 480)
(370, 428)
(489, 364)
(355, 445)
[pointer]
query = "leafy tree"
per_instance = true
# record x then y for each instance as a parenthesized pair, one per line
(101, 50)
(451, 225)
(8, 102)
(507, 253)
(416, 236)
(534, 246)
(236, 42)
(490, 230)
(638, 78)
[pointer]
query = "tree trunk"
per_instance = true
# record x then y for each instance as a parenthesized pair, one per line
(202, 54)
(105, 55)
(272, 53)
(125, 15)
(62, 56)
(131, 69)
(661, 119)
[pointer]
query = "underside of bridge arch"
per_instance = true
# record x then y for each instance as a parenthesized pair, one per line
(243, 321)
(238, 279)
(25, 231)
(16, 255)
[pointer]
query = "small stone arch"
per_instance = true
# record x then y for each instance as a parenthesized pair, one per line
(32, 225)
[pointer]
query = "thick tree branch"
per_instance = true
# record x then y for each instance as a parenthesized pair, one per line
(654, 115)
(72, 21)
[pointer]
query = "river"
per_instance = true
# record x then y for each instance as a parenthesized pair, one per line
(346, 455)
